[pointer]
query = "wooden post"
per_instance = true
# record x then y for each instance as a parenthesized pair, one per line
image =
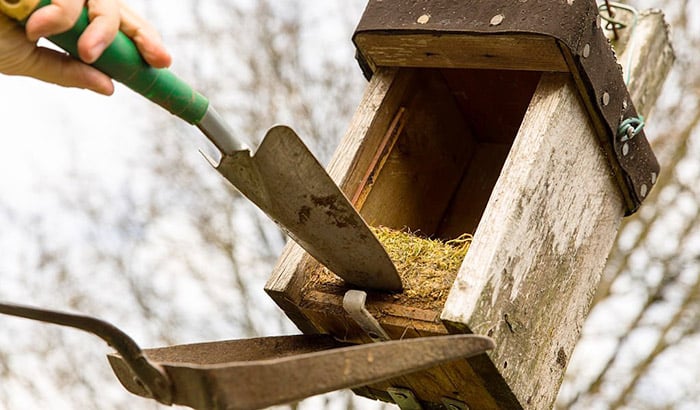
(535, 263)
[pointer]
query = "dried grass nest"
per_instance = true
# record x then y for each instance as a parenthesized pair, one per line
(427, 267)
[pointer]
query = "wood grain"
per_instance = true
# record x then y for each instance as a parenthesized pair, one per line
(422, 172)
(535, 263)
(541, 243)
(513, 52)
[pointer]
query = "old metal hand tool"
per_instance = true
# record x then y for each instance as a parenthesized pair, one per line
(283, 177)
(256, 373)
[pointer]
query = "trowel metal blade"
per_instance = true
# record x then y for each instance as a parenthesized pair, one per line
(288, 183)
(257, 373)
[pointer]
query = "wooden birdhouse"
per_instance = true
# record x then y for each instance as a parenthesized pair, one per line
(509, 121)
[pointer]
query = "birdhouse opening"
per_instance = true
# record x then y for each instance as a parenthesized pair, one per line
(438, 140)
(444, 149)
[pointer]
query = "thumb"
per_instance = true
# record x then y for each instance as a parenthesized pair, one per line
(59, 68)
(20, 56)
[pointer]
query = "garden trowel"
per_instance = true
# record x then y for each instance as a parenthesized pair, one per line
(282, 177)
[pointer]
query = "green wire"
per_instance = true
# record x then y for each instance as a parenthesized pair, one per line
(620, 25)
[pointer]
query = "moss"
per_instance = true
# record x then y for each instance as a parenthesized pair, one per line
(427, 267)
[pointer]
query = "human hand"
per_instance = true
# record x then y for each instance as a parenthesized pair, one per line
(19, 54)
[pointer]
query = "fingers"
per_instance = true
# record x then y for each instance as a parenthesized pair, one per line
(54, 18)
(61, 15)
(106, 17)
(21, 56)
(59, 68)
(104, 25)
(145, 37)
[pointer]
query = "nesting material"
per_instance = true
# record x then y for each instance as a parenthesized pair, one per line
(427, 267)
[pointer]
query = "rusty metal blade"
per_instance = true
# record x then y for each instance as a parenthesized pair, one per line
(284, 369)
(286, 181)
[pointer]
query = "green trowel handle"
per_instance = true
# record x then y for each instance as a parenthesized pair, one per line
(123, 62)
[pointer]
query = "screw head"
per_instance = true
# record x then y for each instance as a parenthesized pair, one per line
(643, 190)
(497, 19)
(423, 19)
(586, 50)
